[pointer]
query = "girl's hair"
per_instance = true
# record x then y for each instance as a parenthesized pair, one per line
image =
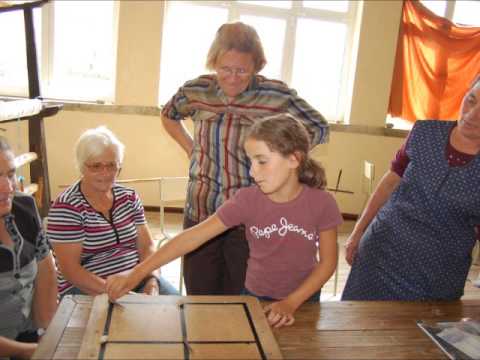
(240, 37)
(286, 135)
(93, 142)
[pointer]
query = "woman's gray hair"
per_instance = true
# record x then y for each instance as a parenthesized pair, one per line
(240, 37)
(93, 142)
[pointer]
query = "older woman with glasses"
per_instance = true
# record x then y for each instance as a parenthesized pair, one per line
(97, 227)
(222, 106)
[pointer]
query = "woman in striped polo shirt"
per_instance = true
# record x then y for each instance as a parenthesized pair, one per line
(97, 227)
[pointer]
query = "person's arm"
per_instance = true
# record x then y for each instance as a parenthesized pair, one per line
(146, 247)
(385, 188)
(281, 313)
(185, 242)
(179, 133)
(315, 123)
(68, 259)
(45, 292)
(16, 349)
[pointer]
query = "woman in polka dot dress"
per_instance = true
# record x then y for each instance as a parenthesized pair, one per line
(415, 237)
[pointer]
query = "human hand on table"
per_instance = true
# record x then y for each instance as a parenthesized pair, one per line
(119, 285)
(280, 313)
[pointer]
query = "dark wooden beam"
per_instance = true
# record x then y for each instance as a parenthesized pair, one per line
(36, 129)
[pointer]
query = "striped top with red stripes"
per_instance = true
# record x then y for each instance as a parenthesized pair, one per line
(219, 165)
(109, 246)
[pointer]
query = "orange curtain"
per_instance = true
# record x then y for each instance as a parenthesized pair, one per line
(435, 64)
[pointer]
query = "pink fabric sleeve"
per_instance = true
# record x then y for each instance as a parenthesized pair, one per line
(233, 211)
(331, 216)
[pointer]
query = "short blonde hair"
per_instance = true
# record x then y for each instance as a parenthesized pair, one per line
(240, 37)
(93, 142)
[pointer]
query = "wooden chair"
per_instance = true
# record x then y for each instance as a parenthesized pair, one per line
(172, 190)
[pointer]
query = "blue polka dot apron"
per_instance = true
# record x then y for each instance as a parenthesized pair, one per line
(418, 246)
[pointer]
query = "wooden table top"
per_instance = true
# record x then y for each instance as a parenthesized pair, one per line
(330, 330)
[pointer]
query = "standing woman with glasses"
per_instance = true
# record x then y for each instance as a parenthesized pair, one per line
(222, 106)
(97, 227)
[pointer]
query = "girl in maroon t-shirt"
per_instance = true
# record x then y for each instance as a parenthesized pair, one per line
(289, 219)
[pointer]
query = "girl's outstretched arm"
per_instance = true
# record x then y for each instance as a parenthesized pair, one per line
(280, 313)
(188, 240)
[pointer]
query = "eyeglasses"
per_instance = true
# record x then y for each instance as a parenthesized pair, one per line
(99, 166)
(228, 71)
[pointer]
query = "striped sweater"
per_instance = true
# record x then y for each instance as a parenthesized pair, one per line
(219, 165)
(108, 246)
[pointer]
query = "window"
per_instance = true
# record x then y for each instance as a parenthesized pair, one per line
(13, 58)
(296, 35)
(464, 12)
(75, 49)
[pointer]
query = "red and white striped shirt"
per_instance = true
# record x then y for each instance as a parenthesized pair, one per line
(109, 245)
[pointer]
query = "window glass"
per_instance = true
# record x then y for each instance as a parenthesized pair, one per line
(271, 32)
(317, 74)
(184, 55)
(467, 13)
(331, 5)
(438, 7)
(83, 50)
(13, 55)
(278, 4)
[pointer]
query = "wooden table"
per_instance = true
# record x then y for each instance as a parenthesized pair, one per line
(331, 330)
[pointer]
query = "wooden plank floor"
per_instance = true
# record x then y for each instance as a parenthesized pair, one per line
(171, 272)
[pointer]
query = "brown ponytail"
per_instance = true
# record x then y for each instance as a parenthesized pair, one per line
(312, 174)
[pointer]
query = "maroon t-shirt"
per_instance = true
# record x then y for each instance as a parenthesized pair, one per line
(283, 237)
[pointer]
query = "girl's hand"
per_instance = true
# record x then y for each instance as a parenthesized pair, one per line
(118, 285)
(151, 287)
(351, 247)
(279, 314)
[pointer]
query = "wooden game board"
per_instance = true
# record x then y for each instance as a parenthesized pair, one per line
(174, 327)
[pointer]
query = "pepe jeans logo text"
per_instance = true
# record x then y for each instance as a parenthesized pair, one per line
(282, 229)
